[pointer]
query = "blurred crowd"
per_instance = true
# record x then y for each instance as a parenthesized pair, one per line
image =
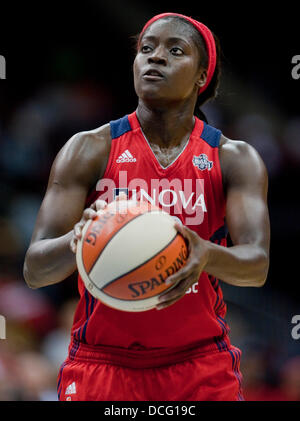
(38, 322)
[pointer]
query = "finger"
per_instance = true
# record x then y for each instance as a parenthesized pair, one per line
(78, 230)
(171, 297)
(178, 291)
(183, 273)
(185, 232)
(89, 213)
(168, 304)
(73, 245)
(121, 196)
(100, 204)
(179, 226)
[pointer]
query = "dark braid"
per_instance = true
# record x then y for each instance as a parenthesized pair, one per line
(211, 91)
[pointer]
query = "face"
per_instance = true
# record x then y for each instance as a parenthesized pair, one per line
(166, 66)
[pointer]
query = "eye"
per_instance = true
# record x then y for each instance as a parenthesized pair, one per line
(176, 51)
(145, 49)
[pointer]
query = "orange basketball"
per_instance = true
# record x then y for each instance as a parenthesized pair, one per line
(127, 252)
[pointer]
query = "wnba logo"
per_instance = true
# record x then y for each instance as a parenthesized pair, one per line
(2, 68)
(2, 327)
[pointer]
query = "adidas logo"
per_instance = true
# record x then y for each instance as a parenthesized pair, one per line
(71, 389)
(125, 157)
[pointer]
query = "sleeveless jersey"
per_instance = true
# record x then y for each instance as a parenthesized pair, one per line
(190, 188)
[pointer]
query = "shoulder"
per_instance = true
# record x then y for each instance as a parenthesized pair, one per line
(236, 149)
(84, 144)
(85, 154)
(240, 162)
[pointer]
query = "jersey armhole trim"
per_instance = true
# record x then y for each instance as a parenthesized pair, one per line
(211, 135)
(119, 127)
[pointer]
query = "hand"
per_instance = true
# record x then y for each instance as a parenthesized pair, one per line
(188, 274)
(89, 213)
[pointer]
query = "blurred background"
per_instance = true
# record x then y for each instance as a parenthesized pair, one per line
(68, 69)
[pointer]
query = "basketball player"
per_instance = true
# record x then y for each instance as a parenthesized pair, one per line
(180, 350)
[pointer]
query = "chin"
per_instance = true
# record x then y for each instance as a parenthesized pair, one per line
(154, 96)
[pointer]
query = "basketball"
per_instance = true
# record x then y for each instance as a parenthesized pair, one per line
(127, 252)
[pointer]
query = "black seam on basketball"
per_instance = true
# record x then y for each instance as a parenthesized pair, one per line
(123, 299)
(110, 240)
(132, 270)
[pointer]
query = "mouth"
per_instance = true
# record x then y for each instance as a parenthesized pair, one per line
(153, 74)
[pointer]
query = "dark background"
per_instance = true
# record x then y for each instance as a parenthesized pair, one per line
(69, 68)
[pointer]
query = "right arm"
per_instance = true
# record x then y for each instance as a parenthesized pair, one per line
(75, 171)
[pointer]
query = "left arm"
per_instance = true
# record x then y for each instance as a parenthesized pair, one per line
(246, 263)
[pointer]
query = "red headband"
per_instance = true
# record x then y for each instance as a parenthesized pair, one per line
(207, 36)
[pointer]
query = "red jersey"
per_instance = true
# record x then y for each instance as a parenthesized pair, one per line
(190, 188)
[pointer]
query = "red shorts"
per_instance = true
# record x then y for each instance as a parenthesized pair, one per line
(95, 375)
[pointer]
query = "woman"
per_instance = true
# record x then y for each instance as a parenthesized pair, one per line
(183, 351)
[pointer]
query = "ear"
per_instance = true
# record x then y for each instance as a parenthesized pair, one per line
(201, 78)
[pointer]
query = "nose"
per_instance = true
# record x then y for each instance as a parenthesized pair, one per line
(157, 57)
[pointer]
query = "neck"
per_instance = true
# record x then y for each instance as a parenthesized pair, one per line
(165, 126)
